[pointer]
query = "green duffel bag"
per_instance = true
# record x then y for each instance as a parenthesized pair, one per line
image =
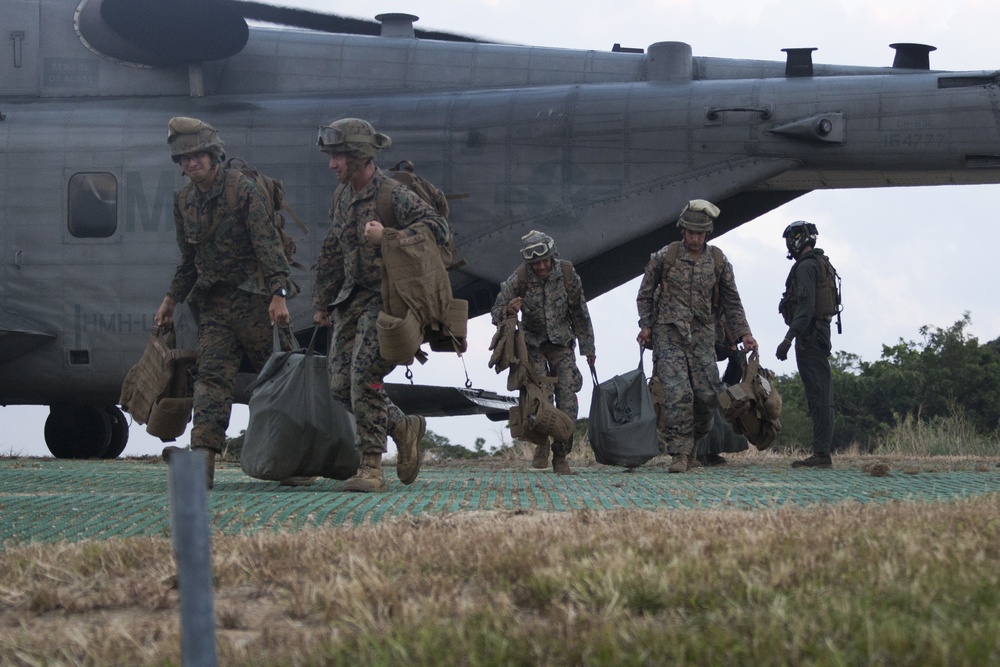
(296, 429)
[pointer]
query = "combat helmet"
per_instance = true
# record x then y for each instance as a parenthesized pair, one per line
(190, 135)
(798, 235)
(698, 216)
(536, 245)
(352, 136)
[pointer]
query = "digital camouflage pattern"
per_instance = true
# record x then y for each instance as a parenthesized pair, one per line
(812, 346)
(346, 261)
(357, 370)
(236, 252)
(549, 313)
(553, 320)
(348, 284)
(676, 305)
(219, 274)
(232, 323)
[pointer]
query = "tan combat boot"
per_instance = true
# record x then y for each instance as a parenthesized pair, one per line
(541, 457)
(678, 463)
(407, 438)
(209, 461)
(369, 476)
(560, 466)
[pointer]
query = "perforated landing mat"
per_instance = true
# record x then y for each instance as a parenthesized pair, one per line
(48, 500)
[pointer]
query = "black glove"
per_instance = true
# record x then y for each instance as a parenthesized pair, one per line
(782, 351)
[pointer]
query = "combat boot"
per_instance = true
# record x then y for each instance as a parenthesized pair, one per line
(560, 465)
(407, 438)
(678, 463)
(209, 461)
(369, 476)
(814, 461)
(541, 458)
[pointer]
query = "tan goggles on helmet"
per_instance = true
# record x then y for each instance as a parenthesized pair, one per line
(535, 250)
(331, 136)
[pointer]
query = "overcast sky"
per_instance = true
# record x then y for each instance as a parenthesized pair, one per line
(908, 256)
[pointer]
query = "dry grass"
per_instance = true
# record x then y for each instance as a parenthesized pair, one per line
(874, 584)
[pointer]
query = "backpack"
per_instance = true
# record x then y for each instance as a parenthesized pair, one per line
(403, 174)
(274, 201)
(274, 197)
(828, 291)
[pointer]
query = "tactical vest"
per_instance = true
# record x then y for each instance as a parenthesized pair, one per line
(827, 289)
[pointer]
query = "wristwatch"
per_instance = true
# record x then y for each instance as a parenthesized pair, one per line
(282, 292)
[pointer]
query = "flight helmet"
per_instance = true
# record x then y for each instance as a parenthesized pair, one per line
(537, 245)
(798, 235)
(190, 135)
(698, 216)
(352, 136)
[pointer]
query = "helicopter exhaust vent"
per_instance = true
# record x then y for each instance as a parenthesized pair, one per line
(669, 62)
(397, 25)
(799, 62)
(912, 56)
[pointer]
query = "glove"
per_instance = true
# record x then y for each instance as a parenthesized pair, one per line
(782, 351)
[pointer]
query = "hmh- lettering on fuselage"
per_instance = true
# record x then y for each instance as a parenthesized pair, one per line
(618, 136)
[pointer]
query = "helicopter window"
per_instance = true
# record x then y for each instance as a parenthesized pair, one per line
(93, 205)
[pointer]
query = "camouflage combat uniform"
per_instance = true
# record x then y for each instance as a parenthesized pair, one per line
(348, 284)
(221, 276)
(553, 320)
(812, 345)
(676, 304)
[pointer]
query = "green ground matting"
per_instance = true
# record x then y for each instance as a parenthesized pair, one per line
(49, 500)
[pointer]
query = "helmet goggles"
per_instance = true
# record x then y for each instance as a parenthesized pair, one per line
(332, 137)
(536, 250)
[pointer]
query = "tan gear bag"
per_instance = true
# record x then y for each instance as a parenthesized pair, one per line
(753, 406)
(158, 390)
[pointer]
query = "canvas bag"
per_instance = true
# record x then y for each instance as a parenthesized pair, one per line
(296, 429)
(622, 424)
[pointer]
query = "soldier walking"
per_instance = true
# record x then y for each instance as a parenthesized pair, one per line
(348, 297)
(686, 287)
(549, 294)
(808, 305)
(233, 270)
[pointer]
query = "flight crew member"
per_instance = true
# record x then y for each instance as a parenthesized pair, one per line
(233, 269)
(555, 317)
(807, 306)
(347, 296)
(677, 322)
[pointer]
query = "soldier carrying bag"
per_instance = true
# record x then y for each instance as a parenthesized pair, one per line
(296, 429)
(753, 406)
(158, 390)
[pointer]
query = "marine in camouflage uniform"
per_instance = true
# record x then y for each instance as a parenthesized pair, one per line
(233, 270)
(347, 296)
(554, 316)
(810, 330)
(676, 321)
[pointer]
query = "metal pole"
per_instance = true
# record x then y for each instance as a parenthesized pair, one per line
(192, 551)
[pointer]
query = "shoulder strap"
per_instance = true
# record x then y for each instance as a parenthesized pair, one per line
(521, 282)
(567, 271)
(383, 203)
